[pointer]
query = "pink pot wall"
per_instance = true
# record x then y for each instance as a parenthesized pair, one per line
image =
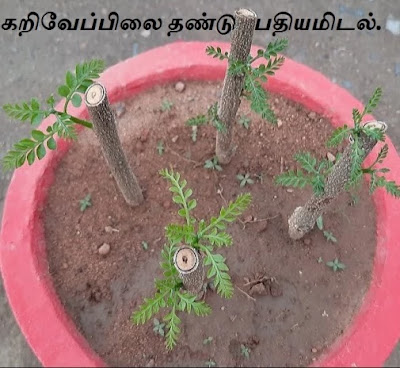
(52, 334)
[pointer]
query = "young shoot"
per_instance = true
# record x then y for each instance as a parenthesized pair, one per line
(210, 363)
(166, 105)
(244, 179)
(158, 327)
(244, 121)
(328, 235)
(210, 118)
(35, 147)
(245, 351)
(203, 236)
(85, 203)
(336, 265)
(145, 245)
(213, 164)
(160, 148)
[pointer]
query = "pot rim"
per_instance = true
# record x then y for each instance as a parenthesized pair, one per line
(51, 333)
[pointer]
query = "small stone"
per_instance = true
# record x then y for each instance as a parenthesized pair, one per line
(279, 123)
(312, 115)
(258, 289)
(95, 295)
(65, 265)
(150, 363)
(275, 289)
(109, 230)
(307, 241)
(180, 87)
(255, 340)
(222, 308)
(139, 146)
(174, 139)
(104, 249)
(167, 204)
(314, 350)
(289, 190)
(330, 157)
(144, 135)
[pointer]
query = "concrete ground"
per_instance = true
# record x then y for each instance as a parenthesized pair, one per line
(34, 65)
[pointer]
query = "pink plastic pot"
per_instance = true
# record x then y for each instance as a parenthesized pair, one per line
(52, 335)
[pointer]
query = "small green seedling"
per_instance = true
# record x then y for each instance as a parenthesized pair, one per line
(245, 351)
(244, 179)
(328, 235)
(354, 199)
(160, 148)
(145, 245)
(203, 236)
(213, 164)
(194, 133)
(85, 203)
(30, 149)
(158, 327)
(210, 363)
(208, 340)
(244, 121)
(336, 265)
(166, 105)
(210, 118)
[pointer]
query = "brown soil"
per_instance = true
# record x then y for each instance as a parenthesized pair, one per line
(306, 306)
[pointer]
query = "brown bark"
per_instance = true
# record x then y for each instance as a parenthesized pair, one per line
(106, 131)
(189, 263)
(303, 218)
(242, 37)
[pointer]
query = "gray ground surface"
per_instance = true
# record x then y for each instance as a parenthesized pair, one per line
(34, 65)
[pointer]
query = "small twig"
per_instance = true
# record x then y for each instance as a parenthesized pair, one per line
(220, 191)
(196, 163)
(281, 164)
(257, 220)
(243, 292)
(294, 326)
(259, 281)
